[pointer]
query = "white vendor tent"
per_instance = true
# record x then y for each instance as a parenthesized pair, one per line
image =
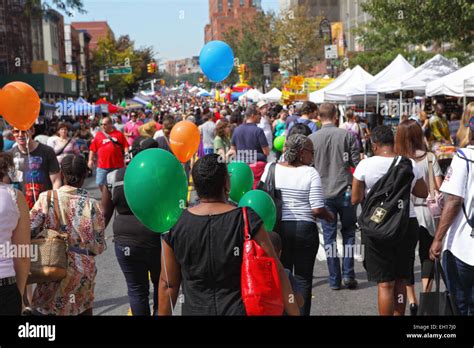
(358, 76)
(252, 94)
(318, 96)
(454, 84)
(416, 80)
(273, 96)
(398, 67)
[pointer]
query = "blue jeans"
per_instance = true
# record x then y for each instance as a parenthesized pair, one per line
(460, 279)
(135, 263)
(101, 175)
(347, 215)
(300, 243)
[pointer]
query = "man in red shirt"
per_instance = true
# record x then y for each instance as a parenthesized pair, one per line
(110, 146)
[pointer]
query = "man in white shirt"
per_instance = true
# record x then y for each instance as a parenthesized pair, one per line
(457, 220)
(266, 126)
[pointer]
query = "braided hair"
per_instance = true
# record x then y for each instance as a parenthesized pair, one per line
(209, 176)
(74, 169)
(294, 145)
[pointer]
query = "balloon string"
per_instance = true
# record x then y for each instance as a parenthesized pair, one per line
(166, 275)
(32, 177)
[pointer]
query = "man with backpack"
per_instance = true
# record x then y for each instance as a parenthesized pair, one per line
(388, 221)
(457, 221)
(308, 114)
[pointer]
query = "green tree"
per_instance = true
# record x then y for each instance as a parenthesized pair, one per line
(66, 6)
(112, 53)
(298, 38)
(253, 44)
(407, 26)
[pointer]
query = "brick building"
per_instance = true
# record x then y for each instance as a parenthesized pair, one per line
(97, 31)
(226, 14)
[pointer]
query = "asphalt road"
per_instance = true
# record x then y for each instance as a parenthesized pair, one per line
(111, 290)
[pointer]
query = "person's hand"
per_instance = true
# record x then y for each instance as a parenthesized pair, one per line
(435, 249)
(90, 164)
(330, 216)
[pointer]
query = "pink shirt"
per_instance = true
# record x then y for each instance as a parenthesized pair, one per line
(132, 128)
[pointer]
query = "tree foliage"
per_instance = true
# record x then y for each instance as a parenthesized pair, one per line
(297, 35)
(117, 53)
(408, 26)
(68, 7)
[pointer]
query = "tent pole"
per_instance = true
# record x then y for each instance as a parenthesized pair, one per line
(464, 102)
(401, 95)
(377, 103)
(365, 103)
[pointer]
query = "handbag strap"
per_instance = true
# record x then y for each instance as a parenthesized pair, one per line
(246, 224)
(430, 174)
(463, 156)
(439, 273)
(64, 148)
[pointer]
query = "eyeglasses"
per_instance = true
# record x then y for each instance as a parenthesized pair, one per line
(105, 124)
(18, 131)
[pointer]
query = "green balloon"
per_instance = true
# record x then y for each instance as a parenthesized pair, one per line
(155, 187)
(263, 205)
(241, 180)
(279, 142)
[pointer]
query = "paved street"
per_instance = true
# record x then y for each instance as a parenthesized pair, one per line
(111, 291)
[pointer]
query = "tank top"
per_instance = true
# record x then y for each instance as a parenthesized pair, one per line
(9, 216)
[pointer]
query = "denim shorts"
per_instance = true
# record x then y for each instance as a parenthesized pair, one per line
(101, 175)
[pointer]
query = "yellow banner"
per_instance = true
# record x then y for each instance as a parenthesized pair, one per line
(315, 84)
(337, 30)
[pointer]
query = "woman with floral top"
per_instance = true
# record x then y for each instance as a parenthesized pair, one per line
(82, 218)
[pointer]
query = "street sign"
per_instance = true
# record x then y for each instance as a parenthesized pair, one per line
(330, 51)
(101, 85)
(266, 70)
(119, 71)
(104, 94)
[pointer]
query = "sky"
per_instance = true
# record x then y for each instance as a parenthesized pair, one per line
(174, 28)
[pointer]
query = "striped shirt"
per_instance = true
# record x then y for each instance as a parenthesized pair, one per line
(301, 191)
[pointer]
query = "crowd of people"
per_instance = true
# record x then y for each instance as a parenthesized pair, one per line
(327, 167)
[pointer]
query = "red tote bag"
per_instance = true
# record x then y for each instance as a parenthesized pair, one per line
(260, 282)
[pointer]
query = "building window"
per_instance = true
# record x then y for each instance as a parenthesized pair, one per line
(256, 3)
(242, 3)
(219, 6)
(230, 4)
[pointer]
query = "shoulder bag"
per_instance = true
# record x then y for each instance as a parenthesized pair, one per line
(435, 199)
(260, 281)
(437, 303)
(269, 187)
(51, 262)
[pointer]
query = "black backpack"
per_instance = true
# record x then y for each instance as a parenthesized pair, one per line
(269, 187)
(386, 209)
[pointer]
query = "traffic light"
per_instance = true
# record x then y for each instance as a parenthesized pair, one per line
(152, 68)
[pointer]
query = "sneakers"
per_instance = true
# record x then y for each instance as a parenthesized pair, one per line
(351, 284)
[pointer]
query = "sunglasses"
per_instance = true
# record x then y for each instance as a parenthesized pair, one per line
(17, 131)
(105, 124)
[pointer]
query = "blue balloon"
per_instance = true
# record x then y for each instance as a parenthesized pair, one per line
(216, 60)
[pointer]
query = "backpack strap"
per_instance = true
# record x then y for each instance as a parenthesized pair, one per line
(470, 221)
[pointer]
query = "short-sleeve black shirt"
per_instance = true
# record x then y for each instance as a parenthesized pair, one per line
(209, 250)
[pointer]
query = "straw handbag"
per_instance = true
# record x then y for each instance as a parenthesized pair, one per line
(51, 263)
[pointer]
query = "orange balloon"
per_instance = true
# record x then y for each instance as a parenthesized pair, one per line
(184, 140)
(19, 105)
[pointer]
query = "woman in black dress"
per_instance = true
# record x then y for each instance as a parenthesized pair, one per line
(204, 250)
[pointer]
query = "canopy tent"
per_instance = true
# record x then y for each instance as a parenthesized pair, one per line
(358, 77)
(456, 84)
(236, 96)
(204, 93)
(252, 94)
(417, 79)
(132, 104)
(140, 100)
(398, 67)
(194, 90)
(273, 96)
(111, 109)
(318, 96)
